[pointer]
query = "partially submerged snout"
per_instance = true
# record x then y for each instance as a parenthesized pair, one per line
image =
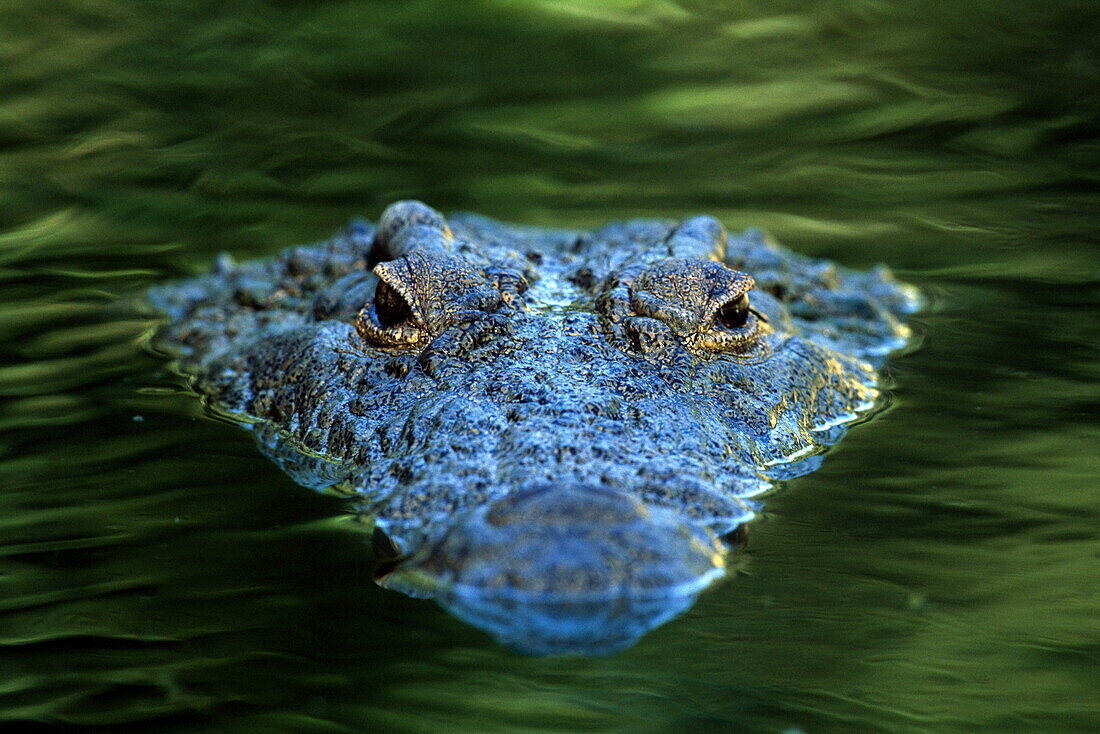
(565, 569)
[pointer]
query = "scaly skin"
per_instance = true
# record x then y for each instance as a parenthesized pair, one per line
(552, 431)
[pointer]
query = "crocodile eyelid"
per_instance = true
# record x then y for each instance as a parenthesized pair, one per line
(398, 276)
(386, 323)
(391, 306)
(719, 338)
(396, 335)
(734, 325)
(704, 302)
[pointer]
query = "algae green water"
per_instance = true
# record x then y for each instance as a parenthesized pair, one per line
(940, 573)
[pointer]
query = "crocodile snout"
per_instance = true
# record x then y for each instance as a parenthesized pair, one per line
(565, 569)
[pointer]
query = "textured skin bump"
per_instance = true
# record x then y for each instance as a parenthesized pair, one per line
(553, 430)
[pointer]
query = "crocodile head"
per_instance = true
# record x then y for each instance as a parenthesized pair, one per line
(551, 431)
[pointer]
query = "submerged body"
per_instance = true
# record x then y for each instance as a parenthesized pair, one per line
(552, 431)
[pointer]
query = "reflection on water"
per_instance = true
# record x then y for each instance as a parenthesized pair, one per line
(937, 574)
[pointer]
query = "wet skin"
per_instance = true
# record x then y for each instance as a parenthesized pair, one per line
(552, 431)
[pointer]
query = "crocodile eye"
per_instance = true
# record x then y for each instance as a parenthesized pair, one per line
(390, 308)
(388, 320)
(735, 328)
(734, 314)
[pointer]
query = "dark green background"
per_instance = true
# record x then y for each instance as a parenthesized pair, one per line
(941, 573)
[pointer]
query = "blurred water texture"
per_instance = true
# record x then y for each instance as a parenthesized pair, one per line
(938, 574)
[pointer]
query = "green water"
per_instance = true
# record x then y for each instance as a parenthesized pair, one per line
(941, 573)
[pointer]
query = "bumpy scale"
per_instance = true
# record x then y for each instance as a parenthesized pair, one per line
(552, 431)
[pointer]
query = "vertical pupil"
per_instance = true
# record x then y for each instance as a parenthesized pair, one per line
(390, 308)
(735, 314)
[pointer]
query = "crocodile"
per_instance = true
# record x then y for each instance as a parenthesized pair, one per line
(556, 434)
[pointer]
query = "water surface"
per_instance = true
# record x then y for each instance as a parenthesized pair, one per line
(939, 573)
